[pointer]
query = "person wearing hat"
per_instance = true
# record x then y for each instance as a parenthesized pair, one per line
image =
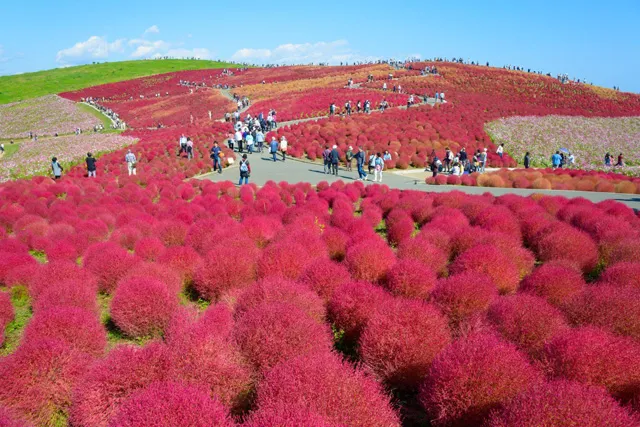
(349, 157)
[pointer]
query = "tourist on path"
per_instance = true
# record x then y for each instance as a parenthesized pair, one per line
(372, 163)
(283, 147)
(215, 156)
(335, 159)
(360, 159)
(259, 139)
(56, 168)
(238, 138)
(249, 139)
(91, 165)
(349, 158)
(556, 159)
(245, 170)
(273, 147)
(326, 159)
(379, 166)
(527, 160)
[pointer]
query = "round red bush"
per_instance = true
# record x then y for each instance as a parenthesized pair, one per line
(171, 404)
(110, 381)
(149, 248)
(562, 403)
(50, 274)
(282, 290)
(425, 252)
(76, 327)
(399, 343)
(274, 332)
(279, 414)
(463, 296)
(473, 376)
(565, 243)
(555, 282)
(8, 418)
(352, 304)
(284, 259)
(160, 272)
(143, 307)
(400, 227)
(616, 309)
(624, 274)
(596, 357)
(336, 241)
(527, 321)
(37, 379)
(412, 279)
(328, 387)
(220, 270)
(489, 260)
(370, 260)
(109, 263)
(324, 276)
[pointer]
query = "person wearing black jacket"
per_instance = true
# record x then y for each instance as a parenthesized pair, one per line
(527, 160)
(335, 159)
(91, 165)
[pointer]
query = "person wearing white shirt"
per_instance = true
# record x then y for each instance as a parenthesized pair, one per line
(500, 150)
(238, 138)
(283, 147)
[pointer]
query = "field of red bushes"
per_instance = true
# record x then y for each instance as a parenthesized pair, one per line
(545, 179)
(156, 296)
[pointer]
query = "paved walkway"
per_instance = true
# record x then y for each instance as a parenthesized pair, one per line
(293, 171)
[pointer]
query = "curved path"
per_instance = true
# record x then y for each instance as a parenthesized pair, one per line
(293, 171)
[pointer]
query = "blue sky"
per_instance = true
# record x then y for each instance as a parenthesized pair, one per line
(596, 41)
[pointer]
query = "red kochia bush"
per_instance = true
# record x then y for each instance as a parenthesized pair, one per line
(324, 276)
(52, 273)
(159, 272)
(565, 243)
(622, 274)
(411, 278)
(370, 259)
(67, 293)
(473, 376)
(464, 295)
(556, 282)
(171, 404)
(280, 414)
(109, 263)
(489, 260)
(596, 357)
(143, 307)
(36, 380)
(6, 313)
(110, 381)
(76, 327)
(400, 226)
(353, 304)
(10, 260)
(336, 241)
(221, 270)
(425, 252)
(399, 343)
(616, 309)
(527, 321)
(328, 387)
(283, 259)
(282, 290)
(7, 418)
(149, 248)
(182, 259)
(563, 403)
(274, 332)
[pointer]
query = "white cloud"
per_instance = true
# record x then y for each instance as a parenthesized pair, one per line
(146, 48)
(93, 47)
(152, 30)
(290, 53)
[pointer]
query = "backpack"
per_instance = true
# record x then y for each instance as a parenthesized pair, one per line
(244, 167)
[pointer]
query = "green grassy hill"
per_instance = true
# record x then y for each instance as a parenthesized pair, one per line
(31, 85)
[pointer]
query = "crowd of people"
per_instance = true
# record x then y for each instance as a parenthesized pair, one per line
(116, 122)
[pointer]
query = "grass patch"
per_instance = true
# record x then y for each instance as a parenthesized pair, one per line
(190, 297)
(39, 256)
(32, 85)
(106, 121)
(22, 308)
(10, 149)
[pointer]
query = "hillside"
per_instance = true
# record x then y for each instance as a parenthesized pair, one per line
(31, 85)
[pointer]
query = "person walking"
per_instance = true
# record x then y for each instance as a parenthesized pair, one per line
(372, 163)
(91, 165)
(259, 139)
(57, 168)
(249, 139)
(607, 159)
(283, 147)
(527, 160)
(238, 138)
(189, 149)
(326, 159)
(379, 166)
(483, 160)
(245, 170)
(335, 159)
(215, 156)
(556, 159)
(182, 145)
(500, 150)
(349, 158)
(131, 160)
(273, 147)
(360, 159)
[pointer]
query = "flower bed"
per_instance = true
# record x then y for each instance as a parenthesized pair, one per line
(588, 139)
(46, 115)
(546, 179)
